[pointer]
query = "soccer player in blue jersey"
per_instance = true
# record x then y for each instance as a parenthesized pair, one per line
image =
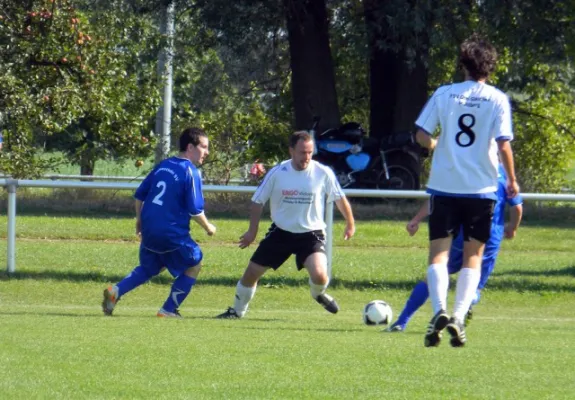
(499, 230)
(166, 201)
(475, 131)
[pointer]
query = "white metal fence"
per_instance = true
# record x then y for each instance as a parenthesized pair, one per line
(12, 184)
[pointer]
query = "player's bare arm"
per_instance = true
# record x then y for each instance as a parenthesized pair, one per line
(506, 157)
(345, 210)
(202, 220)
(515, 215)
(413, 226)
(424, 139)
(255, 215)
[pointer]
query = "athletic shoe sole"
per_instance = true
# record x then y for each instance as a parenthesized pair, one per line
(433, 335)
(457, 334)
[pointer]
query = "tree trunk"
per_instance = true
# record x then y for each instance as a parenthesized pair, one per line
(398, 84)
(87, 158)
(313, 76)
(87, 164)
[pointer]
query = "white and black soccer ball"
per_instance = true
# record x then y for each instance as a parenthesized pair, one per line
(377, 312)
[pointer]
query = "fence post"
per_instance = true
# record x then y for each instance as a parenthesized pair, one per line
(329, 235)
(11, 185)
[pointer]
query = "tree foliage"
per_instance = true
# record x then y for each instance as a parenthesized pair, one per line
(70, 75)
(80, 75)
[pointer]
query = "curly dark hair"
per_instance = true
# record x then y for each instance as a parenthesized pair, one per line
(478, 56)
(191, 135)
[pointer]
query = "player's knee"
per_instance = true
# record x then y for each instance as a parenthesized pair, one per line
(146, 272)
(193, 272)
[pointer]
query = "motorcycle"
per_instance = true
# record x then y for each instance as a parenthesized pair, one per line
(390, 163)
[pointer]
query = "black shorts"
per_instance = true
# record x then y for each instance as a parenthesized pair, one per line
(447, 215)
(278, 245)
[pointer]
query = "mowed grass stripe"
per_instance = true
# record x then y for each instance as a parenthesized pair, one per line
(57, 344)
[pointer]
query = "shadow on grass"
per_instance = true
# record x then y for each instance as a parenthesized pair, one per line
(276, 282)
(567, 271)
(98, 314)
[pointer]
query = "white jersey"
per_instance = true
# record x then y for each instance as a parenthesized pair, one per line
(297, 198)
(472, 116)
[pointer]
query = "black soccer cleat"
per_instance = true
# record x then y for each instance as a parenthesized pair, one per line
(468, 316)
(230, 313)
(328, 303)
(436, 325)
(456, 329)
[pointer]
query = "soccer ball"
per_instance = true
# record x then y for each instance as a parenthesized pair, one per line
(377, 312)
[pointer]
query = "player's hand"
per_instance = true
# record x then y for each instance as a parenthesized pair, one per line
(138, 227)
(509, 232)
(210, 229)
(412, 227)
(349, 231)
(246, 239)
(512, 189)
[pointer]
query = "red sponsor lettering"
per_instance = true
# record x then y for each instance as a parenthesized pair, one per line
(291, 192)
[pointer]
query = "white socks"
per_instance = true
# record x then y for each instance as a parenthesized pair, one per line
(438, 284)
(467, 283)
(316, 289)
(243, 297)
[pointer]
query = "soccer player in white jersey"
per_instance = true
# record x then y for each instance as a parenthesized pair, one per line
(297, 190)
(476, 128)
(499, 230)
(166, 201)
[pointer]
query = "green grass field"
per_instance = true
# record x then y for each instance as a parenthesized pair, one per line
(55, 343)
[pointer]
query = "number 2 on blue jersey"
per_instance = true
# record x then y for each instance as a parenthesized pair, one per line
(158, 199)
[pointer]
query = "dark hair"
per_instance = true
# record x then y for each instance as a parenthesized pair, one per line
(191, 135)
(478, 57)
(297, 136)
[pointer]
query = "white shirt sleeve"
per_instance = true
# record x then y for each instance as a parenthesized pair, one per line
(264, 191)
(333, 188)
(503, 124)
(429, 117)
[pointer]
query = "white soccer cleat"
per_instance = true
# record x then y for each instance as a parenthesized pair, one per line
(110, 300)
(167, 314)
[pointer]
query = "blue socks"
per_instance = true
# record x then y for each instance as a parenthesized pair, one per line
(180, 290)
(136, 278)
(418, 297)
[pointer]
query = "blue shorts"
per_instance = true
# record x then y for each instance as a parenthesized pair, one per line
(176, 261)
